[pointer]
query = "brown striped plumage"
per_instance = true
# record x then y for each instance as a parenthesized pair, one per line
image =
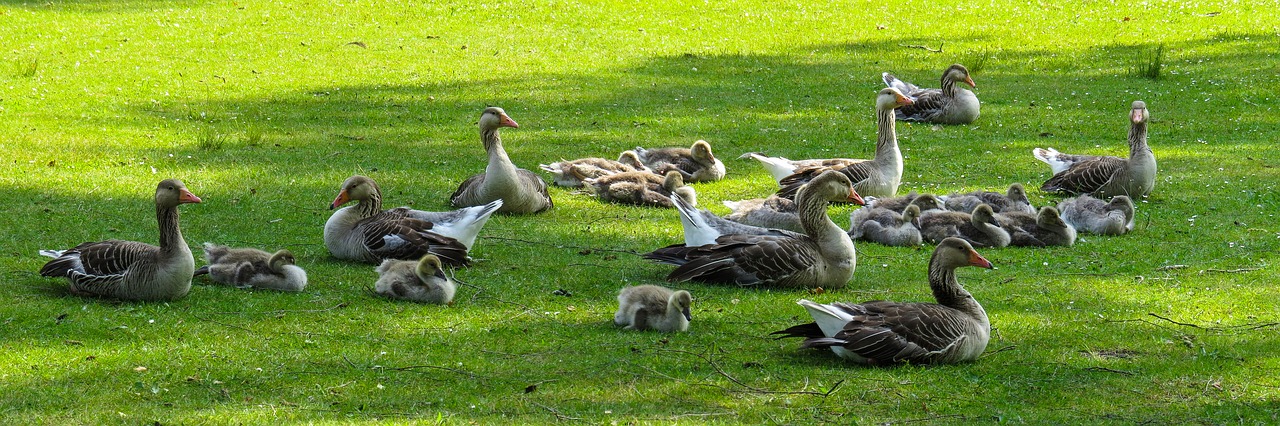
(367, 233)
(1106, 176)
(948, 105)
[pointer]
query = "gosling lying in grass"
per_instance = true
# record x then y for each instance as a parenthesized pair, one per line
(646, 307)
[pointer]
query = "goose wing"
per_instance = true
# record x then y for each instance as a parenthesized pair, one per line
(391, 235)
(739, 259)
(855, 170)
(891, 332)
(925, 105)
(1085, 176)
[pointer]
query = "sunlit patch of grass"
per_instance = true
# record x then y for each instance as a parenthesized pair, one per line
(27, 68)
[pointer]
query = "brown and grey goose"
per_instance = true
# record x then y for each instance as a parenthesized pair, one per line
(651, 307)
(1088, 214)
(1014, 199)
(948, 105)
(824, 257)
(1106, 176)
(1045, 228)
(979, 227)
(130, 270)
(695, 164)
(521, 191)
(367, 233)
(955, 329)
(421, 280)
(253, 268)
(888, 227)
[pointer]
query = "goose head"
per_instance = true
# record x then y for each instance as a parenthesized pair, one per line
(493, 118)
(172, 192)
(630, 158)
(1139, 113)
(890, 98)
(683, 301)
(429, 266)
(928, 202)
(357, 188)
(280, 259)
(1121, 203)
(832, 185)
(673, 183)
(701, 153)
(954, 252)
(1049, 219)
(958, 73)
(1018, 193)
(983, 214)
(911, 215)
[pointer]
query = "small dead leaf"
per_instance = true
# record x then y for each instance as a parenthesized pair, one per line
(584, 252)
(53, 163)
(881, 27)
(570, 308)
(817, 290)
(140, 369)
(73, 342)
(59, 319)
(90, 358)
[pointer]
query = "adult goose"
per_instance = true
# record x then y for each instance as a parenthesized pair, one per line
(521, 191)
(955, 329)
(422, 280)
(462, 224)
(250, 267)
(1014, 199)
(948, 105)
(878, 177)
(888, 227)
(772, 212)
(1045, 228)
(130, 270)
(651, 307)
(641, 188)
(980, 227)
(781, 167)
(571, 173)
(702, 227)
(1106, 176)
(366, 233)
(1092, 215)
(824, 257)
(695, 164)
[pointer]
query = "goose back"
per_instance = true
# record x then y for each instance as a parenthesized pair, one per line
(522, 191)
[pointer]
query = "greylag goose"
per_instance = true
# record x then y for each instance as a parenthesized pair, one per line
(364, 232)
(924, 202)
(702, 227)
(1015, 199)
(886, 226)
(462, 224)
(948, 105)
(422, 280)
(781, 167)
(651, 307)
(1045, 228)
(521, 191)
(955, 329)
(1106, 176)
(878, 177)
(823, 258)
(773, 212)
(1092, 215)
(695, 164)
(641, 188)
(250, 267)
(130, 270)
(980, 227)
(571, 173)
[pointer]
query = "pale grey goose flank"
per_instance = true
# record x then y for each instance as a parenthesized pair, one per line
(772, 212)
(1106, 176)
(253, 268)
(702, 227)
(1045, 228)
(421, 281)
(695, 164)
(521, 191)
(366, 233)
(877, 177)
(955, 329)
(130, 270)
(824, 257)
(948, 105)
(888, 227)
(980, 228)
(1088, 214)
(651, 307)
(1014, 199)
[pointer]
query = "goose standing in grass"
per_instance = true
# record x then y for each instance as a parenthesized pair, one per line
(366, 233)
(1088, 214)
(1106, 176)
(695, 164)
(1015, 199)
(702, 227)
(1045, 228)
(924, 202)
(641, 188)
(980, 227)
(948, 105)
(824, 257)
(250, 267)
(130, 270)
(571, 173)
(422, 280)
(886, 226)
(773, 212)
(521, 191)
(651, 307)
(878, 177)
(955, 329)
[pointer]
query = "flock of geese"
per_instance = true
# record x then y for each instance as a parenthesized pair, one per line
(784, 240)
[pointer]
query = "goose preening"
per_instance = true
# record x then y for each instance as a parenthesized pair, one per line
(521, 191)
(702, 227)
(823, 257)
(1092, 215)
(250, 267)
(772, 212)
(364, 232)
(421, 280)
(980, 227)
(948, 105)
(1045, 228)
(781, 167)
(641, 188)
(884, 226)
(695, 164)
(571, 173)
(651, 307)
(955, 329)
(130, 270)
(1015, 199)
(924, 202)
(878, 177)
(1106, 176)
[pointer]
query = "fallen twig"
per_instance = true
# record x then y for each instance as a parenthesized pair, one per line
(557, 413)
(1230, 271)
(1109, 370)
(750, 388)
(917, 46)
(1170, 267)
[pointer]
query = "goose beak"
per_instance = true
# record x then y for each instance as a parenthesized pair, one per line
(969, 80)
(855, 198)
(187, 197)
(687, 315)
(903, 100)
(506, 121)
(976, 259)
(343, 198)
(1137, 115)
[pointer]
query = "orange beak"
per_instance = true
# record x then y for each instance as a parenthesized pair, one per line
(187, 197)
(1136, 116)
(343, 198)
(506, 121)
(969, 81)
(976, 259)
(904, 101)
(855, 198)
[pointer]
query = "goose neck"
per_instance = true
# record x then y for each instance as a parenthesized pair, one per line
(499, 162)
(887, 137)
(170, 232)
(370, 206)
(812, 210)
(948, 292)
(948, 86)
(1138, 139)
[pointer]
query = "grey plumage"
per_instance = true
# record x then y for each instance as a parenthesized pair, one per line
(1045, 228)
(421, 281)
(886, 226)
(1106, 176)
(1088, 214)
(948, 105)
(773, 212)
(979, 228)
(695, 164)
(641, 188)
(250, 267)
(702, 227)
(1014, 199)
(521, 191)
(924, 202)
(651, 307)
(570, 173)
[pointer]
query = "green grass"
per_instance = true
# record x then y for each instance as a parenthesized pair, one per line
(263, 108)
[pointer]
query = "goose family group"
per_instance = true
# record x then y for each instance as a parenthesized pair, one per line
(783, 240)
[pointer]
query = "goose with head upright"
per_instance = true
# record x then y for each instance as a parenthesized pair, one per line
(955, 329)
(421, 281)
(1088, 214)
(366, 233)
(521, 191)
(130, 270)
(948, 105)
(695, 164)
(253, 268)
(1106, 176)
(651, 307)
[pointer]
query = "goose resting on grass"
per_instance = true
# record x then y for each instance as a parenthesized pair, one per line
(979, 228)
(924, 202)
(773, 212)
(521, 191)
(955, 329)
(884, 226)
(641, 188)
(250, 267)
(571, 173)
(651, 307)
(421, 281)
(948, 105)
(463, 224)
(695, 164)
(1015, 199)
(1088, 214)
(130, 270)
(1045, 228)
(1106, 176)
(366, 233)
